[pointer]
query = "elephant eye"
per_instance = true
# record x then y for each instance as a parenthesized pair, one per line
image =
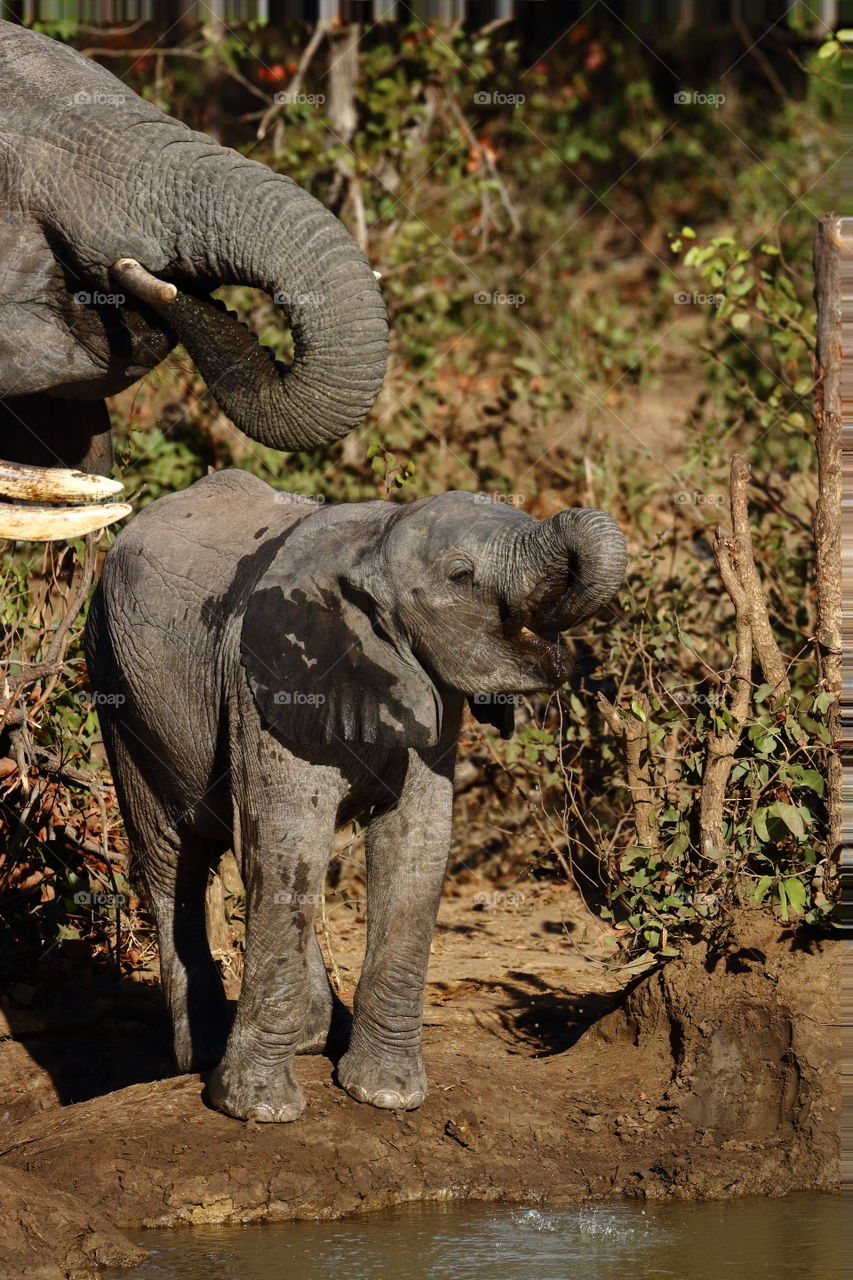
(462, 574)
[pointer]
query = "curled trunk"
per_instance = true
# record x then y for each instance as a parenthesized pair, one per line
(569, 567)
(252, 227)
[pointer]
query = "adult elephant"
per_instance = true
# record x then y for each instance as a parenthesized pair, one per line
(116, 222)
(266, 669)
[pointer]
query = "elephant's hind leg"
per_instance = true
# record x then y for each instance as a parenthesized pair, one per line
(175, 868)
(176, 876)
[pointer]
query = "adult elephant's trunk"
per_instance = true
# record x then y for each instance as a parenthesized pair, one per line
(240, 224)
(568, 567)
(262, 230)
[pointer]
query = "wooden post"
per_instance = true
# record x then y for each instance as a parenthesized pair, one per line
(845, 735)
(827, 525)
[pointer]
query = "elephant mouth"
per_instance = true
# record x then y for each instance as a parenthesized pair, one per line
(545, 652)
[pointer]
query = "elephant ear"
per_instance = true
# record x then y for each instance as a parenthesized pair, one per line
(322, 665)
(500, 715)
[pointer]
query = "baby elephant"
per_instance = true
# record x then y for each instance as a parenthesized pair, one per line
(267, 669)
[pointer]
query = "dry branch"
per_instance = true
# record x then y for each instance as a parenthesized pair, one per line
(14, 713)
(766, 649)
(735, 560)
(634, 735)
(722, 744)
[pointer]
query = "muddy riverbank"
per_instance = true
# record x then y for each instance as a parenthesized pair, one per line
(714, 1077)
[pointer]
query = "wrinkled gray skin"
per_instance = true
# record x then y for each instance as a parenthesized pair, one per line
(265, 670)
(91, 174)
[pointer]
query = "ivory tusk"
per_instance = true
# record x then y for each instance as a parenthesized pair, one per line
(50, 524)
(141, 283)
(54, 484)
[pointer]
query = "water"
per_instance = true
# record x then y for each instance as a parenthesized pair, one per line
(798, 1238)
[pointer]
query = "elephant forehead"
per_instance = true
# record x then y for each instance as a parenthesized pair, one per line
(456, 520)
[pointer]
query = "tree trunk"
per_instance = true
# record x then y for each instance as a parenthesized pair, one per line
(829, 248)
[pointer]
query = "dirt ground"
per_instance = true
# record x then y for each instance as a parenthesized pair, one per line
(549, 1083)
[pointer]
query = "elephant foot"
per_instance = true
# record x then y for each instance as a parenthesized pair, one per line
(327, 1029)
(248, 1096)
(395, 1086)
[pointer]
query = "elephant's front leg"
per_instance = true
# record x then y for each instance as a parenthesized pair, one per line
(407, 851)
(286, 845)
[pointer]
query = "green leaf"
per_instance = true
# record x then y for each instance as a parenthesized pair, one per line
(792, 815)
(783, 899)
(823, 701)
(796, 892)
(679, 844)
(759, 822)
(809, 778)
(762, 887)
(638, 710)
(643, 962)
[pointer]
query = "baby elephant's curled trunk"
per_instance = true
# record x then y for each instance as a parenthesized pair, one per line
(568, 567)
